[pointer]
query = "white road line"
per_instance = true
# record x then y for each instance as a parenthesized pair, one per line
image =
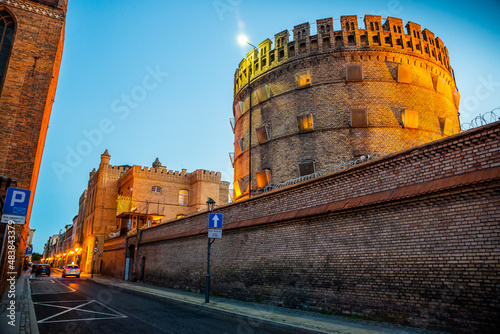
(117, 315)
(63, 301)
(61, 313)
(88, 319)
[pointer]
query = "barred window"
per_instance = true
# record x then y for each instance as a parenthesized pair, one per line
(156, 189)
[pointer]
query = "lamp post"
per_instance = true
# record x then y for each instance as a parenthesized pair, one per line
(210, 208)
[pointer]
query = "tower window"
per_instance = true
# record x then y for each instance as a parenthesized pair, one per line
(371, 26)
(7, 28)
(238, 147)
(326, 42)
(359, 117)
(445, 125)
(303, 78)
(263, 178)
(404, 73)
(183, 197)
(350, 40)
(439, 84)
(263, 134)
(263, 93)
(156, 189)
(376, 40)
(410, 119)
(307, 167)
(354, 72)
(305, 122)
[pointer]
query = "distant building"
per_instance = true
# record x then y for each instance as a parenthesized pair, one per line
(127, 198)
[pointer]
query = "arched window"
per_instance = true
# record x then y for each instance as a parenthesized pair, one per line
(352, 26)
(372, 26)
(156, 189)
(7, 28)
(347, 26)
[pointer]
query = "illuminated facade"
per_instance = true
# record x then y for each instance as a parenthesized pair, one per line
(324, 99)
(124, 199)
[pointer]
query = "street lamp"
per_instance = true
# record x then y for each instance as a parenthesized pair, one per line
(210, 208)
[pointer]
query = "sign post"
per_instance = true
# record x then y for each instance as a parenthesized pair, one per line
(93, 261)
(214, 232)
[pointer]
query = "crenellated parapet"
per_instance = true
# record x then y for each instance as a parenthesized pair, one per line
(175, 176)
(391, 35)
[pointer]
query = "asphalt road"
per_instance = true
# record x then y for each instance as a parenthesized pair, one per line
(72, 305)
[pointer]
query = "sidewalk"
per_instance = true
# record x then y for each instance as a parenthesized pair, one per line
(24, 314)
(257, 314)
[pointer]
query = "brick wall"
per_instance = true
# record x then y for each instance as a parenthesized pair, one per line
(411, 238)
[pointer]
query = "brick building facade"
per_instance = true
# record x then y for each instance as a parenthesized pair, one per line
(31, 48)
(125, 199)
(321, 100)
(411, 238)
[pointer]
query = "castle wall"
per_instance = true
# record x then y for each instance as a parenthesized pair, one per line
(410, 238)
(396, 80)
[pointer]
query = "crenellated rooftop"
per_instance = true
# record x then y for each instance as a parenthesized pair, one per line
(375, 36)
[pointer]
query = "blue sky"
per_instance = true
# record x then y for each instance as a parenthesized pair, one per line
(155, 79)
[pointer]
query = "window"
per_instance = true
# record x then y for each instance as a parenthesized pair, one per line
(326, 42)
(439, 84)
(359, 117)
(231, 157)
(7, 28)
(404, 73)
(410, 119)
(233, 124)
(263, 93)
(239, 187)
(456, 98)
(302, 47)
(239, 109)
(307, 167)
(183, 197)
(305, 123)
(347, 26)
(350, 40)
(388, 40)
(303, 78)
(238, 147)
(376, 26)
(376, 40)
(263, 178)
(371, 26)
(156, 189)
(354, 72)
(352, 26)
(338, 40)
(445, 125)
(314, 44)
(263, 134)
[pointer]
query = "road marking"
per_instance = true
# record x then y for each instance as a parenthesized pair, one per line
(115, 315)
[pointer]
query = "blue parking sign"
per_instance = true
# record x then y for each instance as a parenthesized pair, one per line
(17, 202)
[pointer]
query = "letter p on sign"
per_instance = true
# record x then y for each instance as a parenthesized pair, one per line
(17, 197)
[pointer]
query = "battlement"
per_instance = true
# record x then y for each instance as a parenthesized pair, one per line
(376, 36)
(177, 176)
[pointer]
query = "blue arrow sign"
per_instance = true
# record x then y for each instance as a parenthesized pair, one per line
(215, 220)
(17, 201)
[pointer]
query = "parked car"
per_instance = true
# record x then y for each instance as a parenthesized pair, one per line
(42, 269)
(71, 270)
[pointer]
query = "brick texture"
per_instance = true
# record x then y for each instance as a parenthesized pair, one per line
(410, 238)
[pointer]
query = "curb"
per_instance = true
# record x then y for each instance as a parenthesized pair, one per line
(33, 321)
(292, 328)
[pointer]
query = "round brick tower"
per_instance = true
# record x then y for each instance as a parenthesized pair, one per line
(325, 99)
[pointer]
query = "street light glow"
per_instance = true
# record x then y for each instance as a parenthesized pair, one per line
(242, 40)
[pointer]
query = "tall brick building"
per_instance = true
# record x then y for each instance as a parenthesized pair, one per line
(325, 99)
(31, 45)
(122, 199)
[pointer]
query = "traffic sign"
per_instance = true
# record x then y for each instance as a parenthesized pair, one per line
(215, 233)
(96, 249)
(17, 201)
(18, 220)
(29, 250)
(215, 220)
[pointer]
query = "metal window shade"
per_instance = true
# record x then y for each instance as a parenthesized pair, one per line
(359, 117)
(238, 109)
(305, 122)
(233, 123)
(410, 119)
(446, 125)
(306, 168)
(263, 134)
(231, 157)
(303, 78)
(263, 93)
(354, 72)
(263, 178)
(238, 145)
(404, 73)
(456, 98)
(439, 84)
